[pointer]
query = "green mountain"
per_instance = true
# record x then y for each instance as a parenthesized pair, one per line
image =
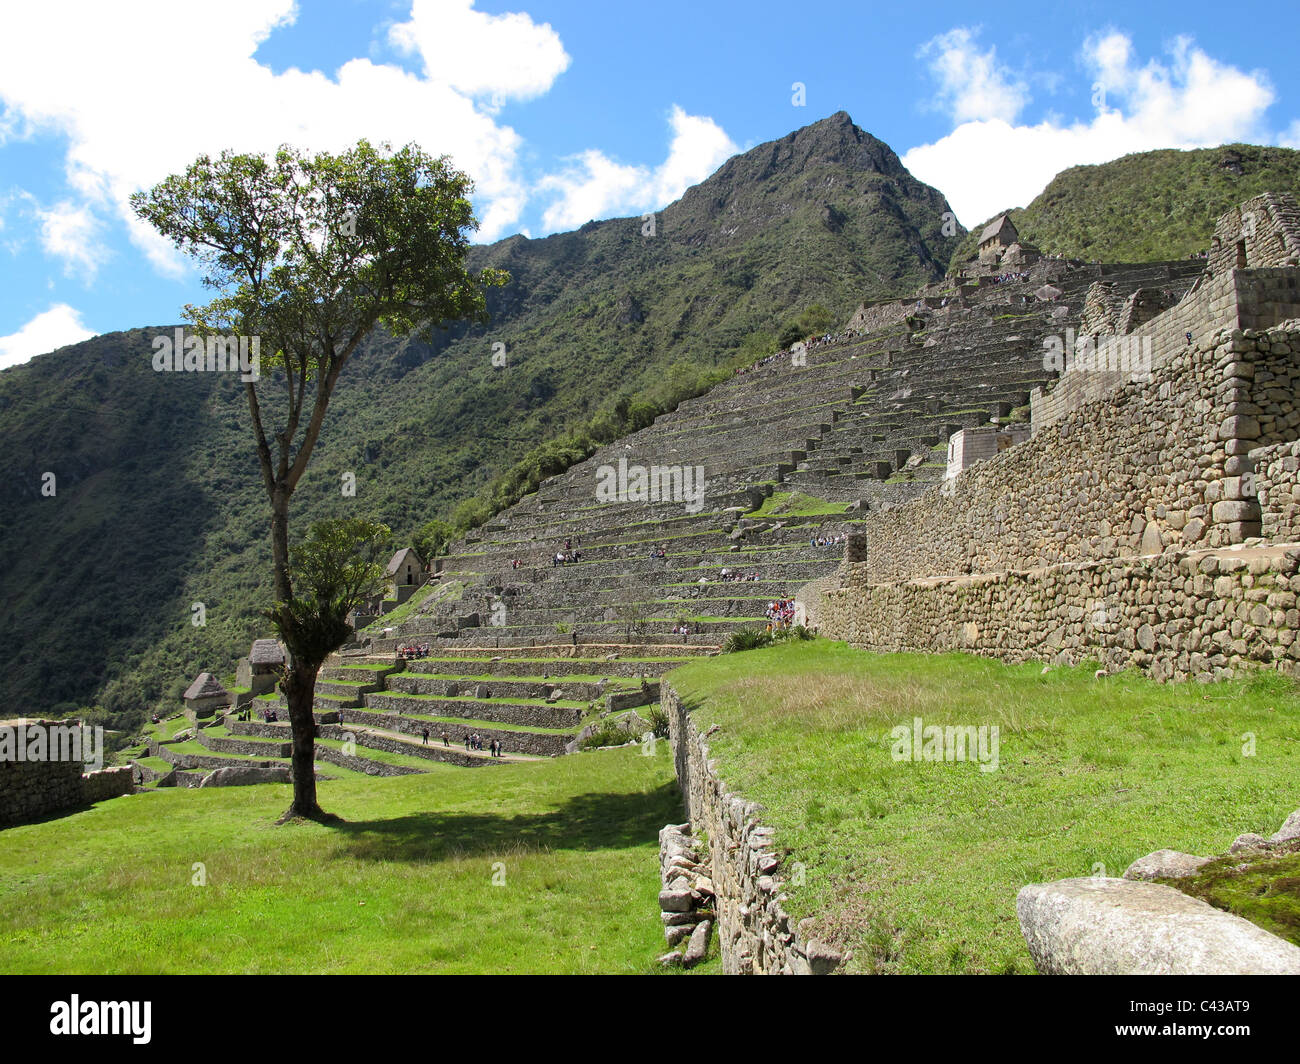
(158, 504)
(1149, 206)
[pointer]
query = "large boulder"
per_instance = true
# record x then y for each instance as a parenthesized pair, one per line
(239, 776)
(1102, 926)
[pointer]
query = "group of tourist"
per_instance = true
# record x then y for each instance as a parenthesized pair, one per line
(475, 742)
(732, 576)
(686, 629)
(414, 650)
(1007, 278)
(658, 550)
(565, 557)
(827, 541)
(780, 614)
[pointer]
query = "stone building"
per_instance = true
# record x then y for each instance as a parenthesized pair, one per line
(205, 696)
(260, 670)
(982, 442)
(999, 235)
(406, 573)
(1261, 234)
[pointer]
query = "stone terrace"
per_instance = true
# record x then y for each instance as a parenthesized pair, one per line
(864, 422)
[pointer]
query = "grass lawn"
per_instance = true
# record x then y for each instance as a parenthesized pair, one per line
(405, 885)
(915, 865)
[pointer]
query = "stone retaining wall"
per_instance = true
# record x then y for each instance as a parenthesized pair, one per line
(1279, 491)
(1178, 614)
(515, 742)
(531, 716)
(1156, 465)
(247, 747)
(33, 789)
(435, 751)
(362, 764)
(755, 934)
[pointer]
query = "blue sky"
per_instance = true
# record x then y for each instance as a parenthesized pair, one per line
(565, 111)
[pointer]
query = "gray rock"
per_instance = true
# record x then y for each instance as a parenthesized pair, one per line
(675, 901)
(1165, 864)
(674, 933)
(1289, 830)
(699, 943)
(670, 960)
(239, 776)
(1102, 926)
(1248, 841)
(822, 957)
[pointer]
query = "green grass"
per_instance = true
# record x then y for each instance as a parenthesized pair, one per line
(404, 885)
(796, 504)
(915, 866)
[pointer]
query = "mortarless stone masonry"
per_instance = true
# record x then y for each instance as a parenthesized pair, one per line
(33, 789)
(1147, 522)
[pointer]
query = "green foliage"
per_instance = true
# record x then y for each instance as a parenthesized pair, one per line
(813, 321)
(607, 734)
(1149, 206)
(657, 718)
(432, 539)
(746, 639)
(468, 514)
(333, 571)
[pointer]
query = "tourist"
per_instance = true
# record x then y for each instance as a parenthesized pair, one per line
(445, 740)
(424, 736)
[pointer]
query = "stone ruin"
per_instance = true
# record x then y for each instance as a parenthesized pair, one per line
(1131, 526)
(204, 697)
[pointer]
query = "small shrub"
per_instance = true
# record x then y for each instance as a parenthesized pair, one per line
(746, 639)
(657, 718)
(608, 734)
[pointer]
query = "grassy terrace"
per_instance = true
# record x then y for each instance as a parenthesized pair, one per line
(915, 865)
(485, 725)
(405, 884)
(614, 681)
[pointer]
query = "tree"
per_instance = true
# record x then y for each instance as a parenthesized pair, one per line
(333, 571)
(433, 538)
(308, 254)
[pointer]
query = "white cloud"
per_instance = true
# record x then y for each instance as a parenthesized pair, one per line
(52, 329)
(1187, 101)
(145, 86)
(595, 186)
(497, 56)
(69, 233)
(972, 85)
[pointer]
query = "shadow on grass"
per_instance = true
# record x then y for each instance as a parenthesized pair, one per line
(584, 822)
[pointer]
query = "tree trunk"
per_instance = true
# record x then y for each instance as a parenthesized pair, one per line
(280, 544)
(300, 693)
(300, 678)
